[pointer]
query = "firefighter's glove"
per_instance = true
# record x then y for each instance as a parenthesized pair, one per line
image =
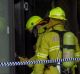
(23, 59)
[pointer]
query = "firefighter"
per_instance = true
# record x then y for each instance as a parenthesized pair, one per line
(30, 25)
(35, 22)
(50, 45)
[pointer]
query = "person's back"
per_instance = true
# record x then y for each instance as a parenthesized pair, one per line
(51, 42)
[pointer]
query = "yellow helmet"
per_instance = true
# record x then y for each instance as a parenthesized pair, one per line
(33, 21)
(57, 13)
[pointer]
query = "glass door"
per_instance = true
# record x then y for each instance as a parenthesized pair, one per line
(6, 35)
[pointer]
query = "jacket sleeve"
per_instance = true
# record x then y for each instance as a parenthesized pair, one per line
(32, 59)
(37, 46)
(41, 54)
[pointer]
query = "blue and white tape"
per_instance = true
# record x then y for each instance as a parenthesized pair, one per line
(37, 62)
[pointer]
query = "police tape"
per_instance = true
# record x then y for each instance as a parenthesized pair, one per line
(37, 62)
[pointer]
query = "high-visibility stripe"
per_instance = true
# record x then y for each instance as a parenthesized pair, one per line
(54, 48)
(42, 55)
